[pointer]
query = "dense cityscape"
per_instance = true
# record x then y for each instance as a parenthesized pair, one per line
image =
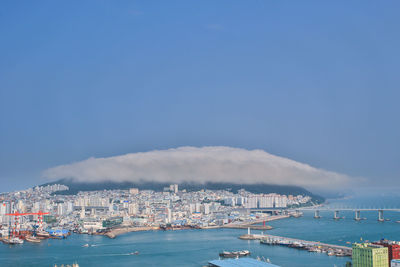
(96, 211)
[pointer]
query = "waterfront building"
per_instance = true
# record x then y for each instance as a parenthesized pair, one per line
(241, 262)
(370, 255)
(266, 201)
(393, 248)
(395, 263)
(280, 202)
(252, 202)
(91, 224)
(169, 215)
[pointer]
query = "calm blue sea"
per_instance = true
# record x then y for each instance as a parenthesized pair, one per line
(197, 247)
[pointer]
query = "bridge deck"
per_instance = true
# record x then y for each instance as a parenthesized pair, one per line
(345, 209)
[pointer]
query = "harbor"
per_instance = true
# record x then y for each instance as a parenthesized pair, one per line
(35, 235)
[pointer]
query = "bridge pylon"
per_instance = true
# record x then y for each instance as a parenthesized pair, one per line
(336, 215)
(316, 214)
(380, 216)
(357, 215)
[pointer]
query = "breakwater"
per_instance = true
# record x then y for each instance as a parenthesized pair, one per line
(255, 224)
(311, 246)
(119, 231)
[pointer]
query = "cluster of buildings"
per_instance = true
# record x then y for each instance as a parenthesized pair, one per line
(94, 211)
(252, 201)
(384, 253)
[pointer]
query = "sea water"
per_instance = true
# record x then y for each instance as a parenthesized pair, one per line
(197, 247)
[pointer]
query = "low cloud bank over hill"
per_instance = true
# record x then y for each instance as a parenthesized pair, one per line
(200, 165)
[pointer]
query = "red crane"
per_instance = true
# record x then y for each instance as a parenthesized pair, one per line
(40, 218)
(17, 215)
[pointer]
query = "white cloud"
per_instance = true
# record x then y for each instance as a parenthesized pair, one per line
(204, 164)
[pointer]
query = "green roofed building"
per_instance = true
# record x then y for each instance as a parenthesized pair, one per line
(370, 255)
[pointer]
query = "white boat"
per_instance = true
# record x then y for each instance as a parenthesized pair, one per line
(43, 234)
(86, 245)
(234, 254)
(32, 239)
(13, 241)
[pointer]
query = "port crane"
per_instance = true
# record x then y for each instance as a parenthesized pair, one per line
(17, 216)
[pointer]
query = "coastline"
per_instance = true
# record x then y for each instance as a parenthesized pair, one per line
(123, 230)
(119, 231)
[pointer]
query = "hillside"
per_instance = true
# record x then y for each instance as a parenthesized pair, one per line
(75, 187)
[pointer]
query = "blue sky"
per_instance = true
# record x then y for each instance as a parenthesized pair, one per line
(314, 81)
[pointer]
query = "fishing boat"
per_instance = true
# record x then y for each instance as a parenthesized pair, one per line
(234, 254)
(268, 241)
(243, 253)
(32, 239)
(340, 254)
(13, 241)
(43, 234)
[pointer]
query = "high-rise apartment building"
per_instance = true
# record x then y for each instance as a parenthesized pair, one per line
(370, 255)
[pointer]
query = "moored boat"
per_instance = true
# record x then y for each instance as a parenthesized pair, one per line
(13, 241)
(43, 234)
(32, 239)
(234, 254)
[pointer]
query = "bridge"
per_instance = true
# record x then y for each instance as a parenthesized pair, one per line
(317, 209)
(357, 212)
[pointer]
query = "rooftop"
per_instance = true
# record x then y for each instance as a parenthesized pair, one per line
(242, 262)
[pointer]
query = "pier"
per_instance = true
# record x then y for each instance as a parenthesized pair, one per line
(253, 224)
(312, 246)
